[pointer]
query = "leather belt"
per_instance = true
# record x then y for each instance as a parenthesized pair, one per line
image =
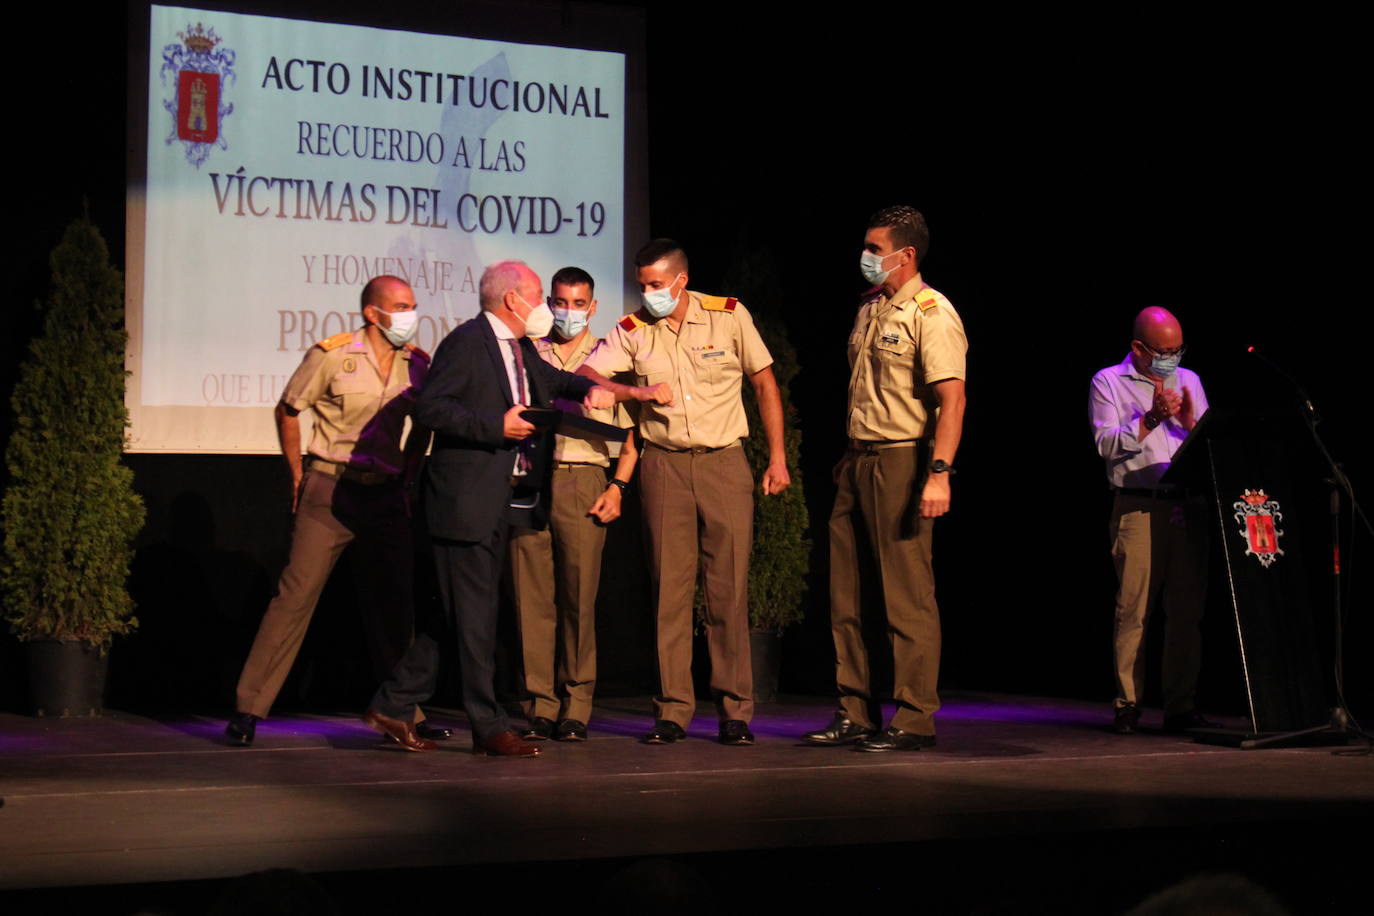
(694, 450)
(348, 472)
(872, 448)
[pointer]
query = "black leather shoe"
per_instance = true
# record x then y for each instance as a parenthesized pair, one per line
(736, 732)
(539, 729)
(664, 732)
(570, 730)
(894, 739)
(841, 730)
(1127, 718)
(432, 732)
(1187, 721)
(242, 727)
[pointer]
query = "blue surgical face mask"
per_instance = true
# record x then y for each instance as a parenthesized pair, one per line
(1165, 366)
(569, 322)
(871, 266)
(660, 302)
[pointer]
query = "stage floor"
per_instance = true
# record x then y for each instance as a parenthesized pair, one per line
(125, 799)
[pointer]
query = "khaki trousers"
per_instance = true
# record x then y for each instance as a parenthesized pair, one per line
(877, 502)
(1159, 547)
(331, 514)
(556, 573)
(699, 514)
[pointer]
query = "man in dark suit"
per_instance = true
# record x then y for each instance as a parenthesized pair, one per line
(487, 472)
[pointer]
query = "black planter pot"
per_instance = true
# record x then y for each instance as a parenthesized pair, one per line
(66, 677)
(765, 652)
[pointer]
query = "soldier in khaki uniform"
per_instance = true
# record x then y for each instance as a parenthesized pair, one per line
(557, 571)
(906, 410)
(690, 353)
(361, 386)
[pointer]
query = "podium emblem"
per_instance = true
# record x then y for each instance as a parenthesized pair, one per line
(1258, 517)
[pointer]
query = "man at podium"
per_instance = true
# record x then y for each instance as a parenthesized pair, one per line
(1141, 410)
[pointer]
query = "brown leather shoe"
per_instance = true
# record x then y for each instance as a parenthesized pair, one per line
(504, 744)
(403, 733)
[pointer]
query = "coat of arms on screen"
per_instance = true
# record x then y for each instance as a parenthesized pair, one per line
(1259, 517)
(198, 71)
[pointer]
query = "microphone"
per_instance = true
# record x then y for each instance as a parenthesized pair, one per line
(1307, 405)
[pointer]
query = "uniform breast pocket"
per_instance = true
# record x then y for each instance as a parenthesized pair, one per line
(651, 371)
(349, 391)
(895, 357)
(716, 368)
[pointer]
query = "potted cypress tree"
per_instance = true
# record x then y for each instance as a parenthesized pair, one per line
(70, 513)
(780, 558)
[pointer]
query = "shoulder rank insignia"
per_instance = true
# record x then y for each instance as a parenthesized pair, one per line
(343, 338)
(634, 321)
(927, 299)
(718, 303)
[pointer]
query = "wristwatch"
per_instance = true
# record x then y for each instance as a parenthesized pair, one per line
(941, 466)
(616, 482)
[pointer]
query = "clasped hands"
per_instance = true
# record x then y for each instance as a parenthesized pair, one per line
(1170, 402)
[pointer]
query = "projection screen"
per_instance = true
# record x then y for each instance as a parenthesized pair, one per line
(289, 161)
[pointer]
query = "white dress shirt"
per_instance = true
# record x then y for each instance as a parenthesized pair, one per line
(1120, 396)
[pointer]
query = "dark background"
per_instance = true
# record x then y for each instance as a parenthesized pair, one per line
(1073, 169)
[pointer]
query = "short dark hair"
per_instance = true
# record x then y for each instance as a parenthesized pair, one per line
(572, 276)
(908, 228)
(659, 249)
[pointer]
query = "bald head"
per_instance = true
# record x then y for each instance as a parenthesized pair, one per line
(504, 276)
(1157, 328)
(383, 289)
(1156, 332)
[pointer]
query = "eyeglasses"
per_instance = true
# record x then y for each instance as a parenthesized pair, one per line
(1163, 354)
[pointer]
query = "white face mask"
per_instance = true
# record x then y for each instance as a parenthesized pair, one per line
(660, 302)
(539, 321)
(403, 327)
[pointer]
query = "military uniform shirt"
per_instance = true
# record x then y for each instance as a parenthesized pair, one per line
(359, 417)
(704, 361)
(899, 348)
